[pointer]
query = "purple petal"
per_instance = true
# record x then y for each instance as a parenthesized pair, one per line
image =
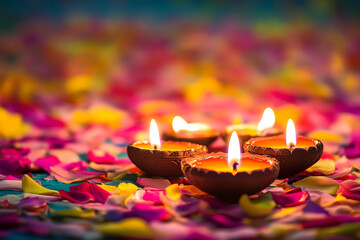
(31, 203)
(313, 207)
(290, 199)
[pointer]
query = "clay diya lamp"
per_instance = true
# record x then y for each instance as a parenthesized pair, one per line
(161, 158)
(294, 153)
(246, 131)
(199, 133)
(228, 176)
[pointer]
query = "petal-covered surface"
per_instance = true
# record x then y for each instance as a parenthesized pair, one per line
(75, 92)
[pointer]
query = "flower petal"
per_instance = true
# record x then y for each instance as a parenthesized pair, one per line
(290, 199)
(324, 184)
(350, 189)
(77, 197)
(173, 192)
(30, 186)
(258, 207)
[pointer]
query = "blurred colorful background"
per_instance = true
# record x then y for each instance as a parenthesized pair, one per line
(122, 62)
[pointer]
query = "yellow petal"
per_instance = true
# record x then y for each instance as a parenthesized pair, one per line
(172, 192)
(109, 188)
(321, 183)
(127, 188)
(324, 166)
(30, 186)
(130, 227)
(261, 206)
(285, 212)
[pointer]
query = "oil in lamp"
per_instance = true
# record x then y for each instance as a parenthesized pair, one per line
(294, 153)
(161, 158)
(228, 176)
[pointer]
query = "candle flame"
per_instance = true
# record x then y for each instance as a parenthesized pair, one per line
(234, 153)
(154, 135)
(290, 134)
(267, 121)
(179, 124)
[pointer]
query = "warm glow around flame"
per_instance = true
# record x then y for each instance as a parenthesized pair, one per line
(267, 121)
(154, 135)
(234, 153)
(179, 123)
(290, 134)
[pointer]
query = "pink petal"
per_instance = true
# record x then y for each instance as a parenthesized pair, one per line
(73, 172)
(153, 196)
(47, 162)
(104, 158)
(160, 184)
(350, 189)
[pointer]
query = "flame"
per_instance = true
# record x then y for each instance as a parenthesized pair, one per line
(234, 153)
(179, 123)
(267, 121)
(154, 135)
(290, 134)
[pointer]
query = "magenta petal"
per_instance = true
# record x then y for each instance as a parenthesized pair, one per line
(223, 221)
(47, 162)
(106, 158)
(324, 222)
(153, 196)
(148, 212)
(350, 189)
(13, 161)
(290, 199)
(99, 194)
(330, 221)
(77, 197)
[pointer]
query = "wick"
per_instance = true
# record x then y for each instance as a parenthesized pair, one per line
(292, 146)
(235, 166)
(155, 147)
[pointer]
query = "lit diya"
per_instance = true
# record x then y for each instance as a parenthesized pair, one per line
(295, 153)
(161, 158)
(228, 176)
(199, 133)
(246, 131)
